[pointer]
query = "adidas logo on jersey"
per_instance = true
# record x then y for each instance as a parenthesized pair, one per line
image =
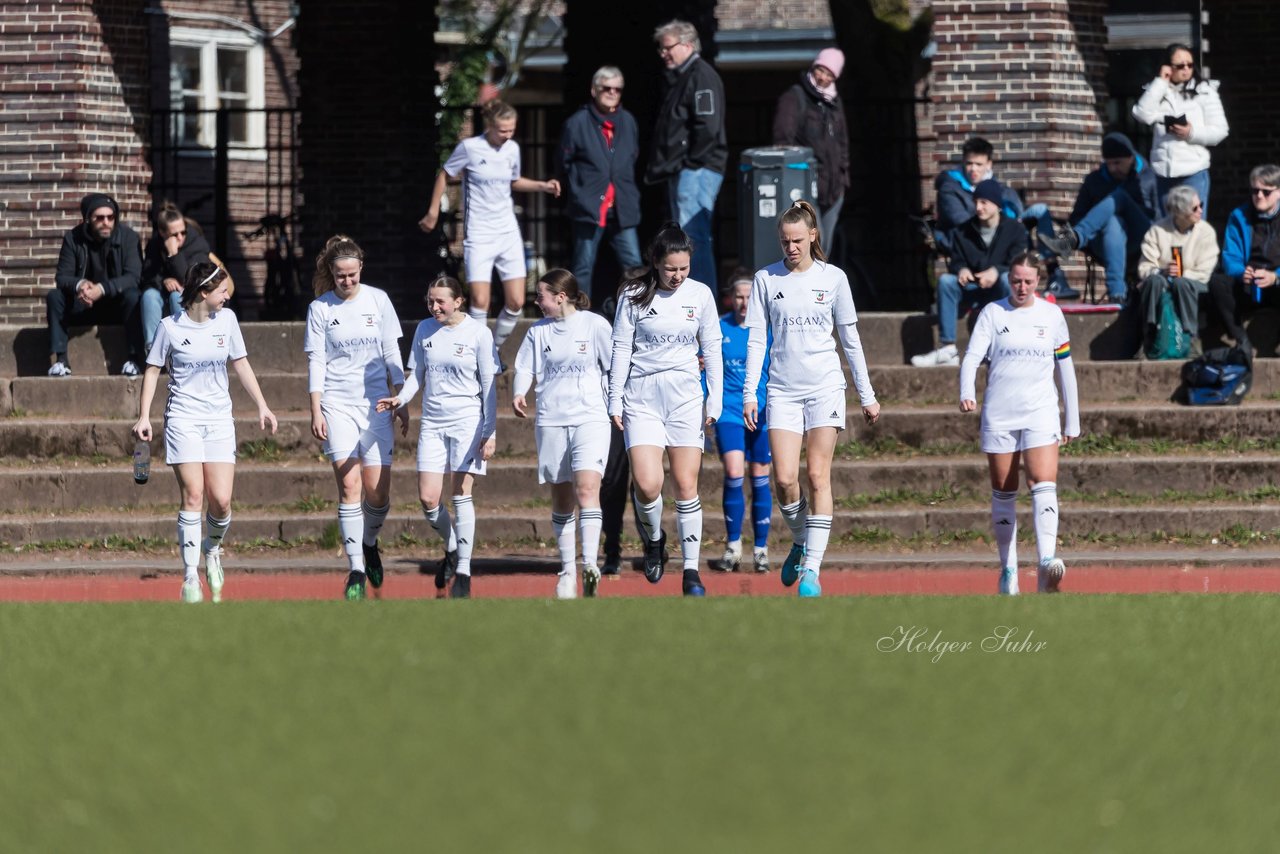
(778, 295)
(692, 538)
(428, 345)
(653, 312)
(546, 349)
(334, 322)
(1003, 330)
(186, 342)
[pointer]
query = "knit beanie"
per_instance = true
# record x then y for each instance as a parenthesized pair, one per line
(991, 190)
(832, 59)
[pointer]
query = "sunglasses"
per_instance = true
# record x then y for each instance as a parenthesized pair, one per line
(612, 90)
(1262, 191)
(104, 217)
(1183, 66)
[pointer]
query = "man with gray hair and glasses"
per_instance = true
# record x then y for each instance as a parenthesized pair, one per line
(1250, 254)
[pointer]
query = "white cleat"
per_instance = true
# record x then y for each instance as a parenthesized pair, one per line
(1009, 582)
(567, 585)
(590, 580)
(760, 559)
(1049, 574)
(213, 570)
(947, 354)
(191, 592)
(732, 558)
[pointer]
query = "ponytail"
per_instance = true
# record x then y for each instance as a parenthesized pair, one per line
(338, 246)
(803, 212)
(560, 281)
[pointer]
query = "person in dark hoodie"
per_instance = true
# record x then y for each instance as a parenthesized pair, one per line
(978, 273)
(1113, 212)
(1250, 254)
(176, 245)
(99, 267)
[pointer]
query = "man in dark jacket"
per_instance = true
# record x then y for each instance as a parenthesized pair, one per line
(597, 169)
(99, 267)
(978, 273)
(1114, 209)
(176, 245)
(1250, 254)
(690, 149)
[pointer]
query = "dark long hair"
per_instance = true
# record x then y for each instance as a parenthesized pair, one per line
(202, 278)
(1193, 82)
(669, 240)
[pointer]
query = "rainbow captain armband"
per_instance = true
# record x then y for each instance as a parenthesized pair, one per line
(1063, 351)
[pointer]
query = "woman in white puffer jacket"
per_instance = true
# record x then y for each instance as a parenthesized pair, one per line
(1186, 115)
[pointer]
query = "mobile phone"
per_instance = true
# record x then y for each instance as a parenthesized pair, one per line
(1170, 121)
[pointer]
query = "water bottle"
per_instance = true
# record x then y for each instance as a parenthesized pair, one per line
(141, 462)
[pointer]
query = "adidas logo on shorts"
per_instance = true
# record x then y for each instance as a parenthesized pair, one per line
(835, 415)
(335, 322)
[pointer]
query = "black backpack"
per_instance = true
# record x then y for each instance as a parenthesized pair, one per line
(1221, 377)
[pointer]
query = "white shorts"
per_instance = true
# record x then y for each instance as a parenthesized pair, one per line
(1008, 441)
(801, 416)
(358, 431)
(185, 442)
(504, 251)
(565, 450)
(455, 448)
(664, 409)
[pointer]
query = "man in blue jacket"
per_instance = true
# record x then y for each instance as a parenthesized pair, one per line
(597, 168)
(1250, 254)
(1114, 209)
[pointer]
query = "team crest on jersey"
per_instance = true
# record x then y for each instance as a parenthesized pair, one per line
(459, 349)
(1040, 331)
(582, 346)
(368, 319)
(820, 297)
(690, 312)
(219, 340)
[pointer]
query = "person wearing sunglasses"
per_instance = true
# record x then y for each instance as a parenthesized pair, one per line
(176, 245)
(1186, 117)
(1179, 253)
(1250, 255)
(96, 282)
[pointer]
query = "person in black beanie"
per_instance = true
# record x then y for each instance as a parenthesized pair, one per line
(99, 269)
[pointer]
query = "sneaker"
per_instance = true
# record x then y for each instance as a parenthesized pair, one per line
(373, 565)
(693, 583)
(655, 555)
(612, 566)
(810, 588)
(567, 585)
(1049, 575)
(129, 369)
(947, 354)
(213, 570)
(732, 558)
(446, 569)
(355, 587)
(461, 588)
(760, 558)
(1061, 244)
(191, 592)
(60, 369)
(791, 566)
(1009, 582)
(590, 580)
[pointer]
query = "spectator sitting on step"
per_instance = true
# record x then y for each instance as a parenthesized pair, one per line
(1250, 254)
(99, 267)
(176, 245)
(1113, 212)
(1179, 252)
(978, 270)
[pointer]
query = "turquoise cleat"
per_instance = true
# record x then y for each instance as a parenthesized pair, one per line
(810, 588)
(791, 566)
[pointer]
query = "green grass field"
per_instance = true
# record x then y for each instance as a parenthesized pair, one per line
(731, 725)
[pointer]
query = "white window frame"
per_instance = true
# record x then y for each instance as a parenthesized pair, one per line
(208, 41)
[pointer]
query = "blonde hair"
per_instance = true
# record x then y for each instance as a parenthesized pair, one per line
(338, 246)
(803, 212)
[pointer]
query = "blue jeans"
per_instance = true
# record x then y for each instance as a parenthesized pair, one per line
(586, 241)
(153, 310)
(952, 297)
(1198, 181)
(692, 198)
(827, 220)
(1113, 230)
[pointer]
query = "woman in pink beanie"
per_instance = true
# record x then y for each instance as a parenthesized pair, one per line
(810, 114)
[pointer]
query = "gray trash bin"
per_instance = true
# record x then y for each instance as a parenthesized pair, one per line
(769, 181)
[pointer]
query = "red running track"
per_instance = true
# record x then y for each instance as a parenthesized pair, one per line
(116, 587)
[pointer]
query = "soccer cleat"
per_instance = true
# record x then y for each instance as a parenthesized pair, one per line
(810, 587)
(760, 559)
(947, 354)
(1009, 581)
(355, 587)
(655, 556)
(791, 566)
(129, 369)
(590, 580)
(213, 570)
(693, 583)
(191, 592)
(373, 565)
(567, 585)
(447, 568)
(461, 588)
(612, 566)
(732, 558)
(1061, 244)
(1049, 574)
(59, 369)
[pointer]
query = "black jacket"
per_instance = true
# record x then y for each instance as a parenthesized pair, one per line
(1098, 184)
(805, 117)
(124, 259)
(156, 267)
(586, 166)
(968, 250)
(689, 133)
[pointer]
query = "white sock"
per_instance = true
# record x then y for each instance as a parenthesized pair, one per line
(189, 542)
(1004, 522)
(1044, 507)
(217, 530)
(350, 529)
(506, 324)
(563, 525)
(689, 528)
(650, 516)
(374, 517)
(465, 512)
(480, 314)
(438, 516)
(817, 533)
(590, 521)
(796, 516)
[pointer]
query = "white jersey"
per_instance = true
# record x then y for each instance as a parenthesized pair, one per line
(570, 360)
(666, 335)
(1022, 345)
(197, 355)
(352, 346)
(801, 310)
(454, 368)
(486, 185)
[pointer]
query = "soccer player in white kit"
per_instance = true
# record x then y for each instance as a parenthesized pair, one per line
(656, 398)
(199, 432)
(488, 166)
(353, 352)
(798, 300)
(452, 362)
(1023, 338)
(568, 353)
